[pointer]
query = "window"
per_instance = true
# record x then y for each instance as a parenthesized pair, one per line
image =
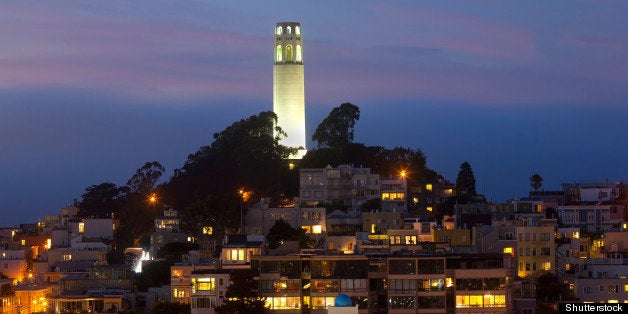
(353, 284)
(402, 302)
(591, 217)
(204, 284)
(568, 218)
(235, 255)
(299, 55)
(428, 187)
(288, 29)
(613, 289)
(402, 286)
(279, 30)
(498, 300)
(325, 285)
(289, 53)
(587, 290)
(545, 251)
(402, 266)
(203, 303)
(545, 236)
(297, 30)
(278, 54)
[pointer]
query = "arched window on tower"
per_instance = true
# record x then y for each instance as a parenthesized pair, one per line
(278, 57)
(297, 30)
(288, 53)
(279, 30)
(299, 58)
(288, 29)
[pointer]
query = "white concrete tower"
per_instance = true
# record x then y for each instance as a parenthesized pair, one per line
(288, 86)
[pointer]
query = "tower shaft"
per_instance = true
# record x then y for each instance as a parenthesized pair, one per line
(288, 84)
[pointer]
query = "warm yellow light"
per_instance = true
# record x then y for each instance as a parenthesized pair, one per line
(508, 250)
(317, 229)
(48, 243)
(428, 186)
(372, 228)
(429, 208)
(81, 227)
(208, 230)
(152, 198)
(402, 174)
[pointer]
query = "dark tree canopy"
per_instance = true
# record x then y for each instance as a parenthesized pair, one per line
(536, 181)
(247, 154)
(282, 231)
(240, 298)
(169, 307)
(146, 177)
(465, 183)
(336, 131)
(100, 201)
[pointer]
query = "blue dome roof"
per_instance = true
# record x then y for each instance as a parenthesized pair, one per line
(343, 300)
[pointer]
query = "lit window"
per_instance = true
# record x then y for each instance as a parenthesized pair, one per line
(317, 229)
(297, 30)
(81, 227)
(289, 53)
(288, 29)
(508, 250)
(278, 56)
(429, 208)
(428, 187)
(385, 196)
(299, 57)
(208, 230)
(279, 30)
(307, 229)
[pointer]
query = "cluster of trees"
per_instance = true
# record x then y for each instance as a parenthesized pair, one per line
(247, 158)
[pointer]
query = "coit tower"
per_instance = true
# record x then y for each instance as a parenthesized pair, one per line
(288, 86)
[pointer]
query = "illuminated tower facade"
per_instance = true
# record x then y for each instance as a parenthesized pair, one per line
(288, 86)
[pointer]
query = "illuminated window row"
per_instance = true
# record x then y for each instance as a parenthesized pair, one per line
(288, 30)
(279, 55)
(487, 300)
(393, 196)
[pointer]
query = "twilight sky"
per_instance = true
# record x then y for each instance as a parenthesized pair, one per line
(90, 90)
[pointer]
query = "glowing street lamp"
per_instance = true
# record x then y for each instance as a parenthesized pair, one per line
(152, 198)
(403, 174)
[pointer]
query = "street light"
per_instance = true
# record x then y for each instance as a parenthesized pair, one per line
(242, 194)
(152, 198)
(403, 174)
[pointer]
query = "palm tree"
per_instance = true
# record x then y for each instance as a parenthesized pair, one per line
(536, 181)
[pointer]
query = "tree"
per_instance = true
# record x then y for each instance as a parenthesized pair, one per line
(465, 182)
(240, 298)
(282, 231)
(169, 307)
(156, 273)
(536, 181)
(146, 177)
(549, 288)
(336, 131)
(100, 201)
(245, 154)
